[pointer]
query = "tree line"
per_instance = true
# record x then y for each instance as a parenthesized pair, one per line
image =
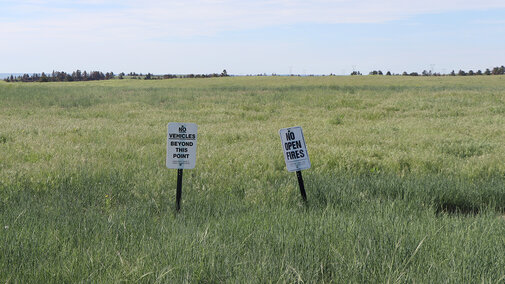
(494, 71)
(78, 75)
(58, 76)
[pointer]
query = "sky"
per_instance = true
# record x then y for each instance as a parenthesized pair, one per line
(251, 37)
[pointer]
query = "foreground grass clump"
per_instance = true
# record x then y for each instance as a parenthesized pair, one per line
(407, 182)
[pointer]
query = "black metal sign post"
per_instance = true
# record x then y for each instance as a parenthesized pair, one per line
(300, 183)
(179, 190)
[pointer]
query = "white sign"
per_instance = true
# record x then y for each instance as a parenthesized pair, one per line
(181, 145)
(295, 150)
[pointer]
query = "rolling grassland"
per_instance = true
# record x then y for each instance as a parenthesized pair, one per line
(407, 181)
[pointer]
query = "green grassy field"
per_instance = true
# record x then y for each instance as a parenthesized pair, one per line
(407, 181)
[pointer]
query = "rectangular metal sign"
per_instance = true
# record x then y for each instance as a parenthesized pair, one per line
(295, 150)
(181, 145)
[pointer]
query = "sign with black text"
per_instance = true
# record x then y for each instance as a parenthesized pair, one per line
(181, 145)
(295, 150)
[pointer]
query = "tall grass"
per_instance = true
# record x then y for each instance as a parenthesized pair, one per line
(407, 182)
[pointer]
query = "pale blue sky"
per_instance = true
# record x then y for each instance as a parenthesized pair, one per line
(250, 37)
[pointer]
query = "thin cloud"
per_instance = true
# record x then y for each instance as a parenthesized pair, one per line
(489, 22)
(150, 19)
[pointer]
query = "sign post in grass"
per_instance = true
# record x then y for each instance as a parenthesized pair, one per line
(295, 154)
(181, 152)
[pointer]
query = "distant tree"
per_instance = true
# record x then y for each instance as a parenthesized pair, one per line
(470, 73)
(461, 73)
(109, 76)
(453, 73)
(224, 73)
(169, 76)
(43, 78)
(388, 73)
(478, 72)
(405, 73)
(487, 72)
(414, 74)
(77, 75)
